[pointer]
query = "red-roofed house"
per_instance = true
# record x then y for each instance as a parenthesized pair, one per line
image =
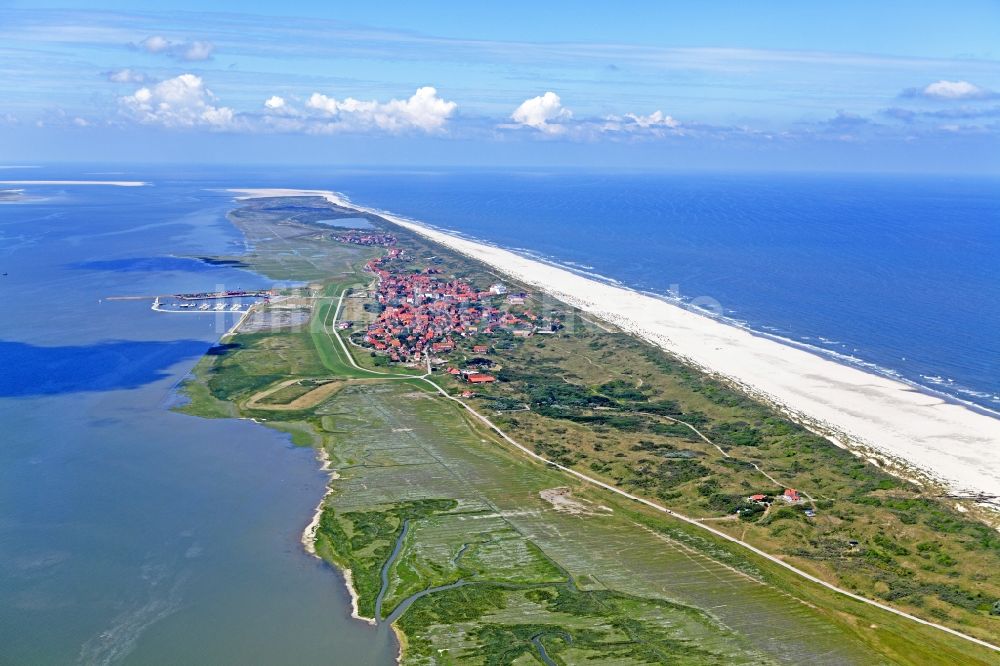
(478, 378)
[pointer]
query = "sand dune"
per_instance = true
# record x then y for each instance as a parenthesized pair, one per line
(915, 433)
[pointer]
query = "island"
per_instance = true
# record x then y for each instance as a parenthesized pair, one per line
(516, 480)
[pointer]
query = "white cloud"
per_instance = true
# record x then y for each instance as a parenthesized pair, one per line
(190, 51)
(155, 44)
(656, 124)
(182, 101)
(655, 119)
(125, 76)
(197, 51)
(185, 102)
(542, 113)
(274, 103)
(950, 90)
(423, 111)
(953, 90)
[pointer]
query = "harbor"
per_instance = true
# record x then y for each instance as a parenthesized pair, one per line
(205, 302)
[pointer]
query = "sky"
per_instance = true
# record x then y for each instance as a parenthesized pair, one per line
(723, 85)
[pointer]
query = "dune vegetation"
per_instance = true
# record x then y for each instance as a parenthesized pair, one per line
(477, 553)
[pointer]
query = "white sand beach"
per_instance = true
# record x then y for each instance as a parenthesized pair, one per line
(911, 432)
(309, 535)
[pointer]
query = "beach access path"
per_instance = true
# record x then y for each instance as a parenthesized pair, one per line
(907, 431)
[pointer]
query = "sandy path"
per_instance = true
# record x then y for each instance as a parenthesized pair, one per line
(304, 401)
(912, 433)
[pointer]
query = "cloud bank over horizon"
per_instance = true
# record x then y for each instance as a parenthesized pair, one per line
(184, 102)
(241, 74)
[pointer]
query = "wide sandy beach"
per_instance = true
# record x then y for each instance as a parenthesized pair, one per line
(909, 431)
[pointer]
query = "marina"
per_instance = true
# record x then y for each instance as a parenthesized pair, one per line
(210, 302)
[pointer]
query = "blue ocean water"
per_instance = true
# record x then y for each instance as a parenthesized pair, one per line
(900, 274)
(130, 533)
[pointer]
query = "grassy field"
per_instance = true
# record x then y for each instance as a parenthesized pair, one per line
(480, 555)
(397, 448)
(622, 411)
(627, 422)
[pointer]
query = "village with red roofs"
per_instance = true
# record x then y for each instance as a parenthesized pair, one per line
(425, 314)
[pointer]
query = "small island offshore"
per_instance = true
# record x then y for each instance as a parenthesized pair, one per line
(515, 480)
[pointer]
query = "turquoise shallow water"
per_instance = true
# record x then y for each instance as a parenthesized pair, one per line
(129, 533)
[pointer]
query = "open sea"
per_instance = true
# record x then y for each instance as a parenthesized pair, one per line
(133, 534)
(898, 274)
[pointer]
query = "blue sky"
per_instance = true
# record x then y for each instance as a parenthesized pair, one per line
(718, 85)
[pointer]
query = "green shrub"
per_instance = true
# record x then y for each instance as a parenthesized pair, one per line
(736, 433)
